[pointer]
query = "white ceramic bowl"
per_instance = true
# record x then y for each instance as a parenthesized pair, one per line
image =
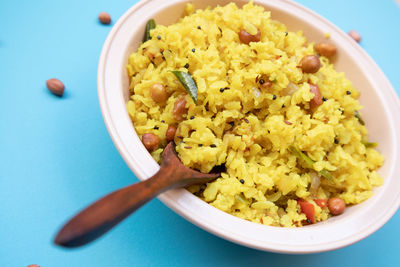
(381, 113)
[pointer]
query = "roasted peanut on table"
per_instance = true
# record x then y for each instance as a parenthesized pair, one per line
(158, 93)
(246, 37)
(104, 18)
(180, 109)
(355, 35)
(55, 86)
(325, 49)
(310, 64)
(150, 141)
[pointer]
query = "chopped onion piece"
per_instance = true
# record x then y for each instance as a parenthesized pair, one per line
(291, 89)
(315, 183)
(256, 92)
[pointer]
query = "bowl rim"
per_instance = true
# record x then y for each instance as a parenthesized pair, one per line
(168, 197)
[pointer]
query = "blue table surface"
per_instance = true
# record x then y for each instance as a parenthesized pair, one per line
(56, 155)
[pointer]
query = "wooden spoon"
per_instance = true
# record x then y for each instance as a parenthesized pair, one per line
(107, 212)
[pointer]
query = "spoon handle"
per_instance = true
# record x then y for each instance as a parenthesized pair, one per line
(108, 211)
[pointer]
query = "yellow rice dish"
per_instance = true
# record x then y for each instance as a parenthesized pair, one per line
(289, 135)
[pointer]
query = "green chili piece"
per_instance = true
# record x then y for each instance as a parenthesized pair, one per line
(325, 173)
(358, 116)
(187, 81)
(308, 161)
(300, 155)
(369, 144)
(151, 24)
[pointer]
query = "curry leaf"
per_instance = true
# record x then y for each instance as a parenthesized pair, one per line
(187, 82)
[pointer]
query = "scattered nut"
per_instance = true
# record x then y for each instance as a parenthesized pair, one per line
(180, 109)
(317, 99)
(310, 64)
(55, 86)
(150, 141)
(104, 18)
(170, 133)
(336, 205)
(246, 37)
(325, 49)
(158, 93)
(355, 35)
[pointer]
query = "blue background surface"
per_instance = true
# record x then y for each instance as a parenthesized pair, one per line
(56, 155)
